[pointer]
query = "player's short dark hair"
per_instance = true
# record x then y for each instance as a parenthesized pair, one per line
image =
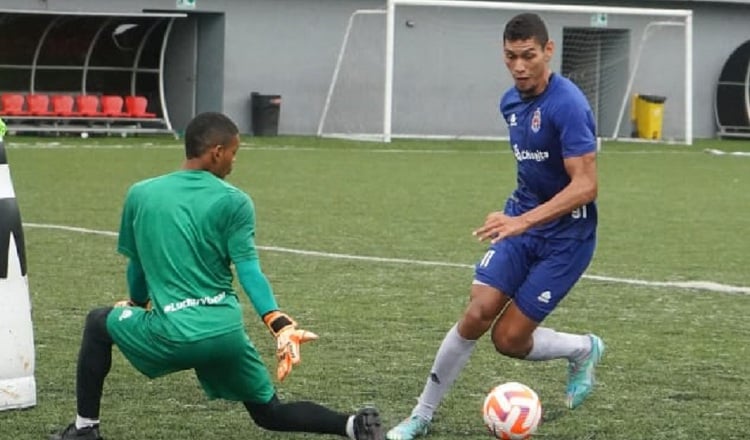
(206, 130)
(525, 26)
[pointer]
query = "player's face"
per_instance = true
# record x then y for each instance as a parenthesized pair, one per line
(224, 156)
(528, 62)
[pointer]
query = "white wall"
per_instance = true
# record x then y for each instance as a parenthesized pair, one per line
(289, 47)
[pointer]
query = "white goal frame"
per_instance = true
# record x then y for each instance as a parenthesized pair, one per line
(685, 14)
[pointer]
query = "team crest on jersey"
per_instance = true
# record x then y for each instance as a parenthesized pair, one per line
(536, 120)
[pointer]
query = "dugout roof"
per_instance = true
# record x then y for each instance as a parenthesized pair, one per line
(85, 53)
(732, 104)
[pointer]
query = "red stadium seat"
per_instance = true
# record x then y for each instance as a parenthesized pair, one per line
(12, 104)
(62, 105)
(88, 105)
(38, 104)
(112, 106)
(136, 106)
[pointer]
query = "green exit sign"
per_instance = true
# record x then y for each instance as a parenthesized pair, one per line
(599, 20)
(186, 4)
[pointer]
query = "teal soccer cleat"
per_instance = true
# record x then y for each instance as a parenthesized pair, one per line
(581, 374)
(409, 429)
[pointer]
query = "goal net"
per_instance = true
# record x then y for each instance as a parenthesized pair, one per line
(434, 68)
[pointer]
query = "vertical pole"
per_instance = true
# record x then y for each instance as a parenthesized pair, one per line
(689, 79)
(339, 61)
(162, 93)
(390, 31)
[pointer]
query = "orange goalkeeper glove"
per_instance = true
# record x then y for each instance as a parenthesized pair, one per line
(288, 340)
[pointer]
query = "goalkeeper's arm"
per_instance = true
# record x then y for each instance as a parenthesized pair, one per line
(282, 327)
(137, 283)
(256, 286)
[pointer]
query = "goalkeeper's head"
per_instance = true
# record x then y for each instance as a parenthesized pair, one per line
(211, 143)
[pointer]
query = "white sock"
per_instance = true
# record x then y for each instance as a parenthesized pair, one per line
(549, 344)
(83, 422)
(350, 428)
(451, 358)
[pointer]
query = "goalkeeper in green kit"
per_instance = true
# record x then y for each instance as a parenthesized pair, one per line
(181, 232)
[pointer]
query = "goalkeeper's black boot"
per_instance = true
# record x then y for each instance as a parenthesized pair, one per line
(72, 433)
(367, 425)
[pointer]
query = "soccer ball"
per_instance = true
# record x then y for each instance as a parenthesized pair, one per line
(512, 411)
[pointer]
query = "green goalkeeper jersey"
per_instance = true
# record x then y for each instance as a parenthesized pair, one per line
(186, 228)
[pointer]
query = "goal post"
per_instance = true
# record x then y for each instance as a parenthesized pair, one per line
(434, 68)
(652, 27)
(339, 61)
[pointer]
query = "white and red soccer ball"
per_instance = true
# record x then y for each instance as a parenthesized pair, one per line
(512, 411)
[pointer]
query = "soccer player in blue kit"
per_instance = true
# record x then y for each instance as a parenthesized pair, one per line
(543, 240)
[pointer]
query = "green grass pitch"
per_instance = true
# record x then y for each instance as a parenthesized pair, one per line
(678, 360)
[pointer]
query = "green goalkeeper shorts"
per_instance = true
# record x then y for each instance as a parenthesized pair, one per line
(228, 366)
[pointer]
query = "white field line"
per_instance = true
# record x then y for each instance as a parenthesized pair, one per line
(692, 285)
(727, 153)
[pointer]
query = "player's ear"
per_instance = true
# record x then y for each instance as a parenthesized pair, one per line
(215, 153)
(549, 49)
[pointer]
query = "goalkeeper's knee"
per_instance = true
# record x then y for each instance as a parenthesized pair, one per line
(95, 327)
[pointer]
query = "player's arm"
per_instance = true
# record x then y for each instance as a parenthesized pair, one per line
(282, 327)
(242, 251)
(137, 286)
(256, 286)
(134, 273)
(575, 122)
(582, 189)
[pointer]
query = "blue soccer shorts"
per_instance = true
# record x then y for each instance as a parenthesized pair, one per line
(535, 272)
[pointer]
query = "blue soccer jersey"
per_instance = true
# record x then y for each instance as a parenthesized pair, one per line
(545, 130)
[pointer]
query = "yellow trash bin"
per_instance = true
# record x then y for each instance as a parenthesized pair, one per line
(647, 114)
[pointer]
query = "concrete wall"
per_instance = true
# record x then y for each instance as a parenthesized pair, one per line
(449, 72)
